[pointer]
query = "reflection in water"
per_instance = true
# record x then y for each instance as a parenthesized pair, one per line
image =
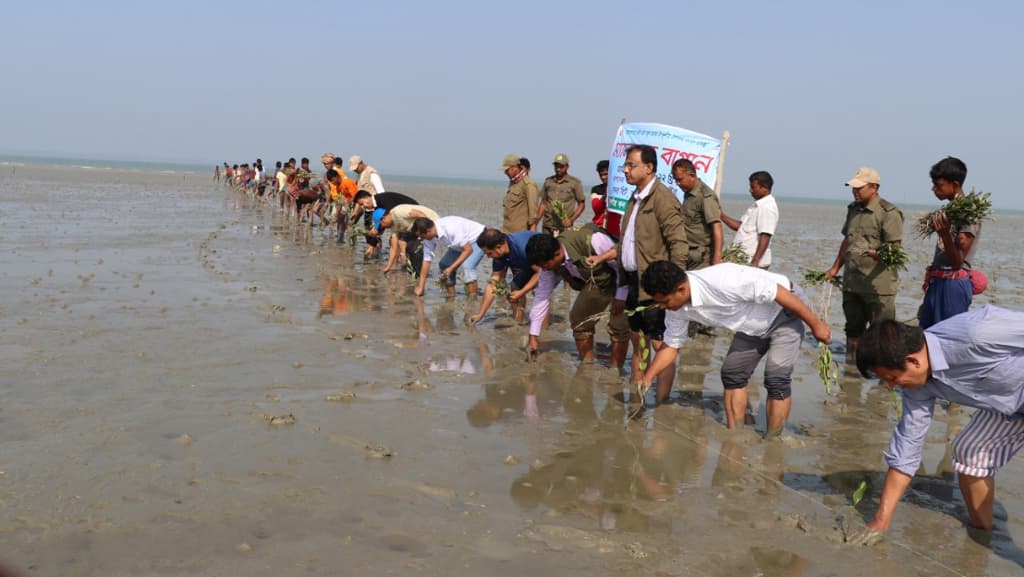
(335, 300)
(619, 481)
(471, 362)
(759, 561)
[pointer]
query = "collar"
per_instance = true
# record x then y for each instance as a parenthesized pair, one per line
(936, 358)
(642, 194)
(763, 198)
(872, 204)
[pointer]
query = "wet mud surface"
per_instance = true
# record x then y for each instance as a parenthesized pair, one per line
(191, 384)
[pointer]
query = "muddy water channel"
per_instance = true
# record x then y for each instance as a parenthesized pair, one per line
(191, 384)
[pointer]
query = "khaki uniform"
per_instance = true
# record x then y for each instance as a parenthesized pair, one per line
(520, 206)
(700, 210)
(568, 191)
(364, 182)
(869, 288)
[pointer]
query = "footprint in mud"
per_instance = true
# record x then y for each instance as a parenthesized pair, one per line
(399, 543)
(280, 420)
(380, 452)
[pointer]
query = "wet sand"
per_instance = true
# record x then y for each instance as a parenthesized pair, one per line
(193, 385)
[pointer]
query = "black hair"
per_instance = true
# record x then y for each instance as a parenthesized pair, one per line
(331, 174)
(686, 164)
(421, 225)
(338, 162)
(887, 344)
(647, 155)
(602, 165)
(763, 178)
(491, 238)
(361, 195)
(541, 248)
(950, 168)
(524, 162)
(662, 277)
(278, 165)
(305, 160)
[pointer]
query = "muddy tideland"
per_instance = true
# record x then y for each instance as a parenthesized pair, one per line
(192, 384)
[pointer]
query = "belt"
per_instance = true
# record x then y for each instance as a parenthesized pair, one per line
(945, 274)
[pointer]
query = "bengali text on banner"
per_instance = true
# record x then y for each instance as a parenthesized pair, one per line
(670, 143)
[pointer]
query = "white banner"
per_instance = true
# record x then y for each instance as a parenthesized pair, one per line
(670, 143)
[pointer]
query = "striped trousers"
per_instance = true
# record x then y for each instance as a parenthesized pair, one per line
(987, 443)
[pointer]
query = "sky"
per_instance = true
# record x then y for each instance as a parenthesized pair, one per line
(808, 90)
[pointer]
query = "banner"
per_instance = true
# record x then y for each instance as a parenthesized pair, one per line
(670, 143)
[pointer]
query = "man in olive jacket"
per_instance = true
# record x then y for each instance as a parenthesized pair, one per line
(652, 230)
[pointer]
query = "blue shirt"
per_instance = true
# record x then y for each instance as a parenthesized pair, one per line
(977, 360)
(516, 258)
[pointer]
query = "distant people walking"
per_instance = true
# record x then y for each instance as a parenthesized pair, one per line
(869, 287)
(755, 230)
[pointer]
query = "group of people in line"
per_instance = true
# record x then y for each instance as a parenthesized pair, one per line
(656, 273)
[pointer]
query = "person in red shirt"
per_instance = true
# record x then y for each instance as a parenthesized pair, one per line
(599, 202)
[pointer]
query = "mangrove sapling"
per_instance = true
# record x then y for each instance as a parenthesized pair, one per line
(858, 495)
(828, 368)
(963, 210)
(735, 253)
(892, 255)
(814, 278)
(558, 209)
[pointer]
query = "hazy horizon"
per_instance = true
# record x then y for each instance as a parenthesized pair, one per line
(809, 91)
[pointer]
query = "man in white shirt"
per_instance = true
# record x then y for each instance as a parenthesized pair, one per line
(755, 231)
(762, 308)
(460, 235)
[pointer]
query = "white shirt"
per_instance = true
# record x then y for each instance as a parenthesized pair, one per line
(377, 183)
(628, 256)
(761, 218)
(733, 296)
(452, 231)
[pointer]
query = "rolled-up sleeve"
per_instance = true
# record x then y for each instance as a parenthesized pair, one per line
(676, 329)
(429, 247)
(541, 301)
(907, 442)
(764, 290)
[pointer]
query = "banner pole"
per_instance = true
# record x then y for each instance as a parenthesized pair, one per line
(721, 164)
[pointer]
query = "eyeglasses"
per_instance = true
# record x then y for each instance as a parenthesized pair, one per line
(632, 165)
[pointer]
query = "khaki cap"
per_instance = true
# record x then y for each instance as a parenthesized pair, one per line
(864, 175)
(509, 161)
(560, 159)
(353, 163)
